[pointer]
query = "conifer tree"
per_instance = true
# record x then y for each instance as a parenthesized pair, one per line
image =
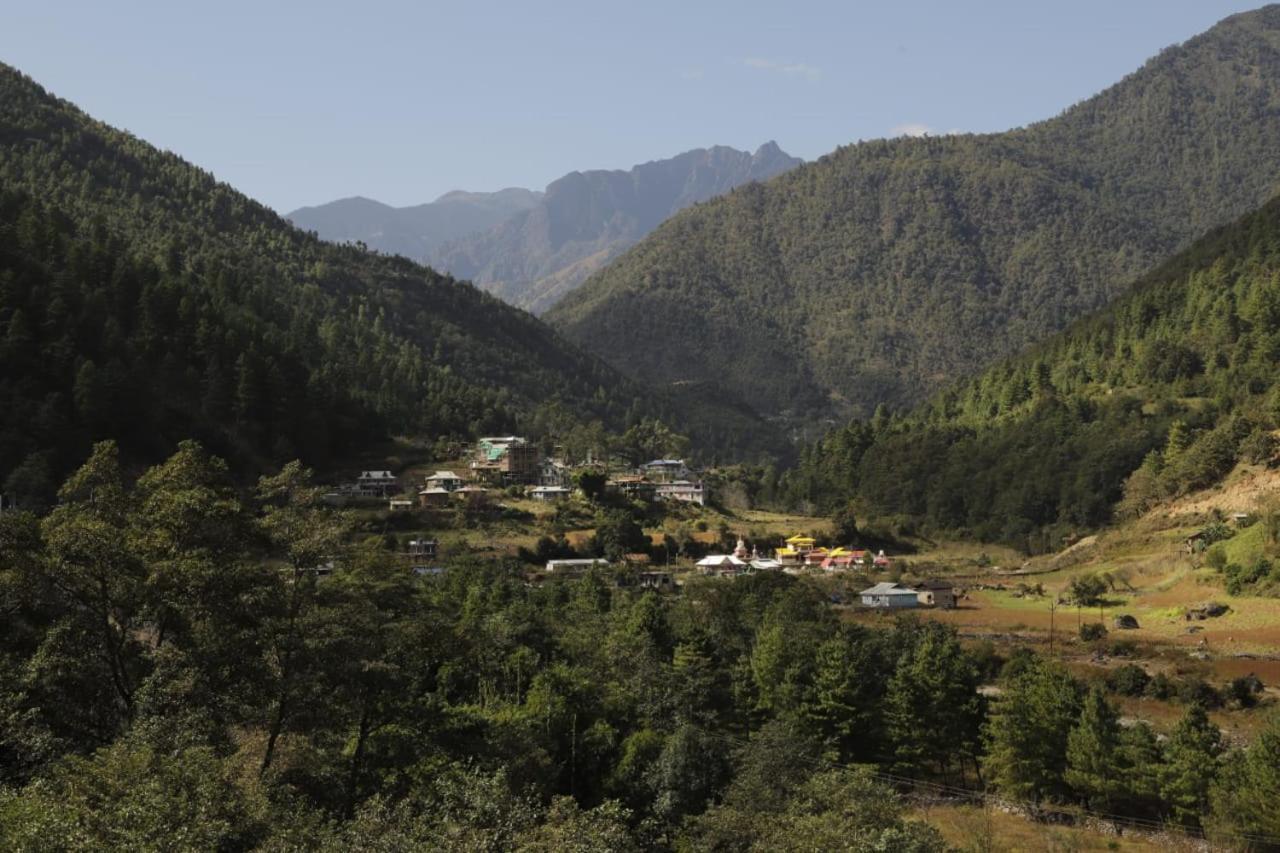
(932, 709)
(1245, 795)
(1028, 730)
(1191, 761)
(1092, 753)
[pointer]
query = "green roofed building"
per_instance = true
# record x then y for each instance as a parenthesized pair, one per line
(505, 460)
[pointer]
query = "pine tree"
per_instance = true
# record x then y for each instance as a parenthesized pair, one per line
(932, 709)
(1027, 733)
(1245, 795)
(1092, 760)
(1191, 760)
(1139, 758)
(846, 697)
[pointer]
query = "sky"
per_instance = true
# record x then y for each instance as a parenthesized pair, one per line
(301, 103)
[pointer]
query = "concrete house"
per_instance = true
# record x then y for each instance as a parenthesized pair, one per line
(936, 592)
(573, 567)
(433, 497)
(506, 459)
(549, 493)
(553, 472)
(889, 596)
(446, 480)
(423, 549)
(681, 490)
(666, 470)
(660, 581)
(631, 485)
(721, 564)
(376, 484)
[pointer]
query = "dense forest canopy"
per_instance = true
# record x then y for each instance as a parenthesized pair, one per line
(888, 269)
(142, 300)
(175, 672)
(1157, 395)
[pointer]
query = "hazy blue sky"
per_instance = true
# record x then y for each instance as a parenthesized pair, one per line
(300, 103)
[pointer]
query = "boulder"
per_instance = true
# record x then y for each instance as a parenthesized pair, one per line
(1208, 610)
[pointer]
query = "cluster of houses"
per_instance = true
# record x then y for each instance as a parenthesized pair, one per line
(659, 480)
(511, 460)
(800, 552)
(504, 461)
(577, 567)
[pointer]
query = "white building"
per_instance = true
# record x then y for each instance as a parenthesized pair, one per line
(376, 484)
(576, 565)
(890, 596)
(681, 490)
(549, 493)
(721, 564)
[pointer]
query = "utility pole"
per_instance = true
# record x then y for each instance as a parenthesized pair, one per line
(1053, 607)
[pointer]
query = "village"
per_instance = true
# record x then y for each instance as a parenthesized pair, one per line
(503, 468)
(501, 463)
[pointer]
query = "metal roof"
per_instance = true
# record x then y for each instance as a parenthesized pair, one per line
(887, 588)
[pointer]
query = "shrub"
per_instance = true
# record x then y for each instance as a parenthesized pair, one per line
(1129, 680)
(1244, 691)
(1258, 447)
(1197, 691)
(1020, 660)
(1216, 558)
(1091, 631)
(1086, 590)
(1240, 579)
(986, 659)
(1161, 687)
(1123, 648)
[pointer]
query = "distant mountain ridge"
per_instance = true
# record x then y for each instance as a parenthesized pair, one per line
(586, 219)
(887, 269)
(530, 248)
(413, 231)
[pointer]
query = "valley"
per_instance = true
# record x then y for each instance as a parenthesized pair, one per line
(922, 495)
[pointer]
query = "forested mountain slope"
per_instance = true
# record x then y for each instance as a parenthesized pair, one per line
(586, 219)
(1157, 395)
(413, 231)
(141, 299)
(889, 268)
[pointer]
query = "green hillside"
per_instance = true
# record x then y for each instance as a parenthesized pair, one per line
(888, 269)
(141, 299)
(1159, 394)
